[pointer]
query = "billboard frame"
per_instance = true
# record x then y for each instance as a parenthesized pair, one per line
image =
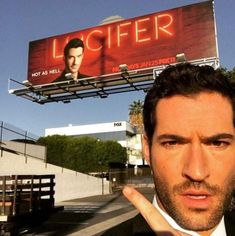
(125, 81)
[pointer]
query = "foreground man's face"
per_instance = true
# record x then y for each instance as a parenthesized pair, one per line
(193, 158)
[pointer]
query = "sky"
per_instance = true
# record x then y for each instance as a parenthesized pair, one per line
(22, 21)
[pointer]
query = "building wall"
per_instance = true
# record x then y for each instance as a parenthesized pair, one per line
(26, 148)
(91, 129)
(120, 131)
(69, 184)
(134, 149)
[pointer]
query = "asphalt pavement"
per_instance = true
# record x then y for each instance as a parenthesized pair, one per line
(89, 216)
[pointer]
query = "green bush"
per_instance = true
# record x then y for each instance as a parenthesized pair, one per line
(84, 154)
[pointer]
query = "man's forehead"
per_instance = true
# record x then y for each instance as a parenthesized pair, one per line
(77, 51)
(204, 111)
(203, 97)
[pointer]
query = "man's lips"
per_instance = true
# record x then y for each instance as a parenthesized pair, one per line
(196, 199)
(196, 193)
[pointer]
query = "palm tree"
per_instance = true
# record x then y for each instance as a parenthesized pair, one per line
(228, 73)
(135, 115)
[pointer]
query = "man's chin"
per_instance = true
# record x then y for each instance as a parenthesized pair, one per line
(74, 72)
(196, 219)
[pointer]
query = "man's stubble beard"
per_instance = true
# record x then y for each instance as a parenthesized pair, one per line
(199, 219)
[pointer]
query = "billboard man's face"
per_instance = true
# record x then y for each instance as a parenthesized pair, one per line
(73, 60)
(192, 157)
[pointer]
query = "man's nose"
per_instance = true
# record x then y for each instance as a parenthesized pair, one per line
(195, 166)
(76, 60)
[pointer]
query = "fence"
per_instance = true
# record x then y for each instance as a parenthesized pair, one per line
(138, 177)
(19, 141)
(22, 197)
(25, 193)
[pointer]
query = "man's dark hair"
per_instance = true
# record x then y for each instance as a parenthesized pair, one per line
(187, 80)
(73, 43)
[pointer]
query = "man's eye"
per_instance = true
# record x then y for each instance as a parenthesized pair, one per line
(218, 143)
(169, 143)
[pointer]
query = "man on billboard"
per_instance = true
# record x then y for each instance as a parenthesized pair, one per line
(189, 143)
(73, 55)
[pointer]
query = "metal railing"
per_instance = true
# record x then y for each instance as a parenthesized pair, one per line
(16, 140)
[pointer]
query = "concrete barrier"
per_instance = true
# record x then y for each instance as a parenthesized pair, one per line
(68, 184)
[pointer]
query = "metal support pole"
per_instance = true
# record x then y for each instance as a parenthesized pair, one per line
(1, 139)
(25, 146)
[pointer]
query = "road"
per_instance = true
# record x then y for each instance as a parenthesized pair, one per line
(88, 216)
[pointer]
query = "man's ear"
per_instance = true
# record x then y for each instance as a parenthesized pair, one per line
(146, 149)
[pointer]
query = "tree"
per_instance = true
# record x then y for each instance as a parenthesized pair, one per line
(135, 115)
(84, 154)
(56, 146)
(108, 152)
(229, 74)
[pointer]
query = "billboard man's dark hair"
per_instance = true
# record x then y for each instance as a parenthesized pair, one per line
(73, 43)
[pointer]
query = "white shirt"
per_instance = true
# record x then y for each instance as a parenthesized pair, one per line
(219, 231)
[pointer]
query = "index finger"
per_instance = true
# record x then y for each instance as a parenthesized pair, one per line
(148, 211)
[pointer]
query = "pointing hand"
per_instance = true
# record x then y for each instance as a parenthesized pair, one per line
(152, 216)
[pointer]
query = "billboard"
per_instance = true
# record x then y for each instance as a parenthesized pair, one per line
(142, 43)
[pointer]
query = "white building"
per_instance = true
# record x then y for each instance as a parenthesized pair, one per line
(120, 131)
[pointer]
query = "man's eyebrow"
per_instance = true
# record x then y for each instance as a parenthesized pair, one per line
(171, 137)
(180, 138)
(218, 137)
